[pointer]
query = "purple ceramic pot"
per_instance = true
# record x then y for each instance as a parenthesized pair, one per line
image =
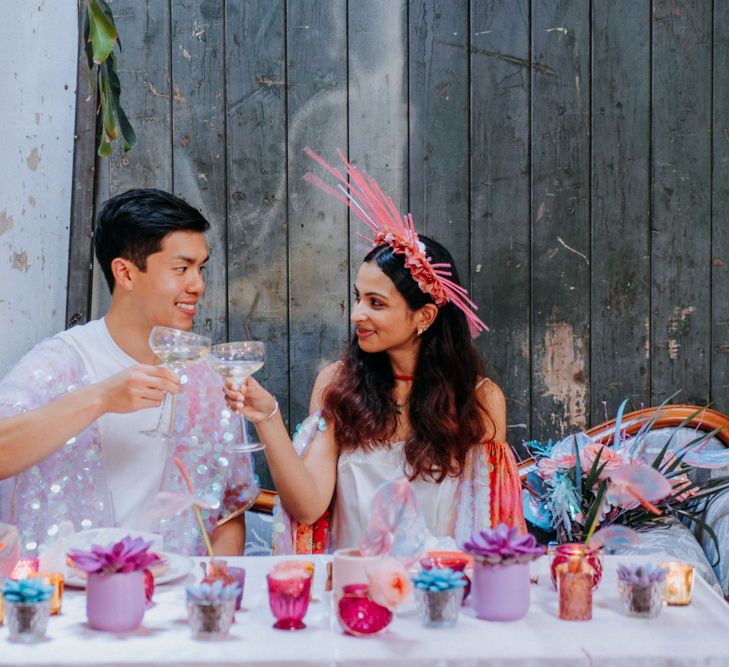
(500, 592)
(115, 602)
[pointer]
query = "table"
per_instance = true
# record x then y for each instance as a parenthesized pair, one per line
(695, 635)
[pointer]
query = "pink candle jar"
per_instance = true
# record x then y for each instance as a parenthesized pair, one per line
(288, 596)
(359, 615)
(563, 553)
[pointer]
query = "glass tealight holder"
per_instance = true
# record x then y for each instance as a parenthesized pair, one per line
(210, 619)
(575, 595)
(679, 583)
(54, 579)
(288, 596)
(438, 609)
(643, 601)
(27, 621)
(239, 574)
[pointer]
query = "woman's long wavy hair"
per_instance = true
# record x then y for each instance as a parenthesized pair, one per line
(446, 416)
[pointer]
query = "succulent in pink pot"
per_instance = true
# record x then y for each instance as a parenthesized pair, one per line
(115, 587)
(501, 572)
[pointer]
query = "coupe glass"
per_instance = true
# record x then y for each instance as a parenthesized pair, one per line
(236, 361)
(177, 350)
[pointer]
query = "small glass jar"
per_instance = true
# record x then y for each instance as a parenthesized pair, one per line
(564, 553)
(575, 595)
(679, 583)
(27, 621)
(359, 615)
(645, 601)
(438, 609)
(455, 560)
(210, 620)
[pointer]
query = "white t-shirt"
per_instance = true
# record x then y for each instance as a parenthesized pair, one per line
(134, 462)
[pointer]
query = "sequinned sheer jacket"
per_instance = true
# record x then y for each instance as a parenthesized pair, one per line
(72, 485)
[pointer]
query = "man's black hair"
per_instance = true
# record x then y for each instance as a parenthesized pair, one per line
(133, 224)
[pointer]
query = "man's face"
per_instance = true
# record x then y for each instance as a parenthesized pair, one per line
(167, 293)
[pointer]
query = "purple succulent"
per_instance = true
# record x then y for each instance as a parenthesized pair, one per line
(128, 555)
(503, 545)
(641, 575)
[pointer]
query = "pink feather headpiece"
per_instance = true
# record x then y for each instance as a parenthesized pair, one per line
(376, 210)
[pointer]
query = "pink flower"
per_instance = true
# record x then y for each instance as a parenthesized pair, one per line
(389, 584)
(548, 467)
(608, 456)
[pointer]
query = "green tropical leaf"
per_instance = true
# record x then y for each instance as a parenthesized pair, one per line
(103, 32)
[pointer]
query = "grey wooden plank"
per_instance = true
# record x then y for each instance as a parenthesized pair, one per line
(80, 259)
(681, 242)
(500, 204)
(439, 124)
(318, 229)
(256, 159)
(620, 202)
(560, 216)
(378, 99)
(198, 139)
(720, 212)
(144, 74)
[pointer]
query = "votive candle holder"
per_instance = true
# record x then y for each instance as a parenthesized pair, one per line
(27, 621)
(642, 600)
(210, 619)
(679, 583)
(575, 595)
(289, 592)
(54, 579)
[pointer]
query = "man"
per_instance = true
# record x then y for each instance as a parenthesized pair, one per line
(71, 411)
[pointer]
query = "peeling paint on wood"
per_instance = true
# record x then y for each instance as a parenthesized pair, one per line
(563, 374)
(33, 160)
(6, 222)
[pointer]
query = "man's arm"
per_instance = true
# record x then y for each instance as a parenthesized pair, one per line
(29, 437)
(229, 539)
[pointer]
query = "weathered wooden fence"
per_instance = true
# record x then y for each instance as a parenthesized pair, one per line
(573, 155)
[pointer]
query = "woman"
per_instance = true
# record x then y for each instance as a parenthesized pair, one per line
(409, 398)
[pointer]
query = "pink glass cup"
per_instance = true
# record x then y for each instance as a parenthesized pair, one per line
(288, 596)
(239, 574)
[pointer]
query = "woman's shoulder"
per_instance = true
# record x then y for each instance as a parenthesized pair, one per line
(492, 399)
(323, 380)
(486, 389)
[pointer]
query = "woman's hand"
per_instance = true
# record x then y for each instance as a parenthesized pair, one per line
(249, 399)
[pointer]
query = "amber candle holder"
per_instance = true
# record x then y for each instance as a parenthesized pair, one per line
(575, 594)
(679, 583)
(54, 579)
(24, 568)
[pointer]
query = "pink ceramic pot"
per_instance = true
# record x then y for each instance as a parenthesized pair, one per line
(350, 567)
(500, 592)
(115, 602)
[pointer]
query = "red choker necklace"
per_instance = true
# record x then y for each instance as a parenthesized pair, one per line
(404, 378)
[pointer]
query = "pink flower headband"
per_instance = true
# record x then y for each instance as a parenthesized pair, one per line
(376, 210)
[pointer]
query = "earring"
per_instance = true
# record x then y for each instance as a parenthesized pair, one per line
(422, 330)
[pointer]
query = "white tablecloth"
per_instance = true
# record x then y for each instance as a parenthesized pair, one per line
(694, 635)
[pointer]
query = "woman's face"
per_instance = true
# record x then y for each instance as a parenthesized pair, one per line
(382, 318)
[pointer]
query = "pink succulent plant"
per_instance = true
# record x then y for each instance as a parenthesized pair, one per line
(503, 545)
(128, 555)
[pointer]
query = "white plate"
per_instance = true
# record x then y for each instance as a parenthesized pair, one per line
(177, 567)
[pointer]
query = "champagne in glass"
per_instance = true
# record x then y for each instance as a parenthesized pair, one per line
(177, 350)
(236, 361)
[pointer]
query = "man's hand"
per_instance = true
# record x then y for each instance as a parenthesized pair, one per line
(137, 388)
